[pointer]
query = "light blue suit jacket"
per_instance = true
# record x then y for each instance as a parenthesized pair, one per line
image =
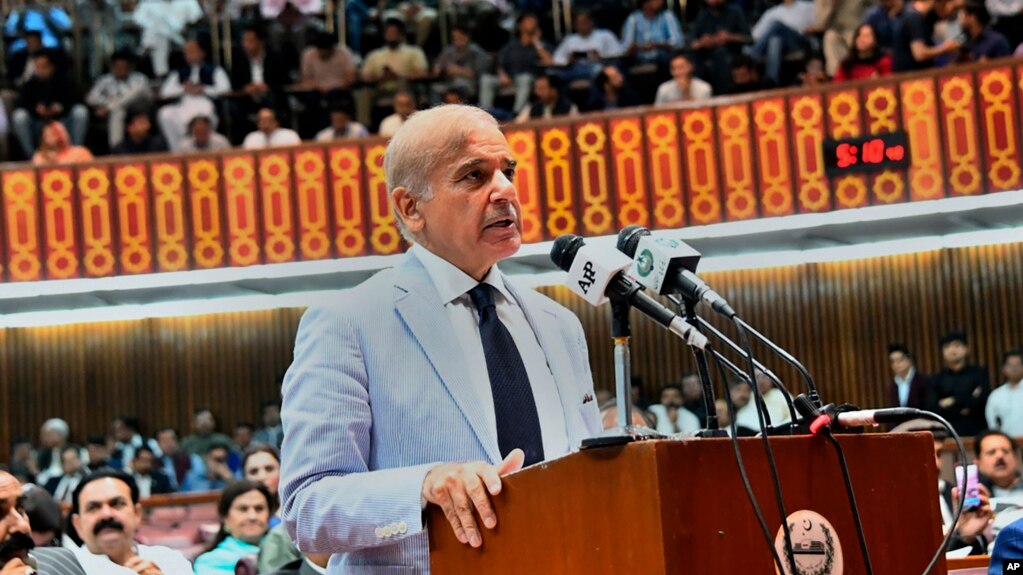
(378, 394)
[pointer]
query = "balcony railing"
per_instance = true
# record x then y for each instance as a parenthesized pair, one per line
(735, 159)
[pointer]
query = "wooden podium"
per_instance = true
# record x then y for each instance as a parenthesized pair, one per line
(678, 506)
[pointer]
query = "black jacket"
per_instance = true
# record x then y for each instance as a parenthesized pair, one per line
(275, 71)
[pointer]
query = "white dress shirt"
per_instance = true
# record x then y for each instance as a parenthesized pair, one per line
(903, 386)
(601, 41)
(797, 15)
(1006, 404)
(686, 420)
(168, 560)
(453, 286)
(777, 409)
(279, 137)
(670, 91)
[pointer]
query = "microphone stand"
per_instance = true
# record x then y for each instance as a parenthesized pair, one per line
(624, 432)
(789, 358)
(712, 428)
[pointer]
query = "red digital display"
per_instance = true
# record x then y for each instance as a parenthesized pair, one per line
(865, 154)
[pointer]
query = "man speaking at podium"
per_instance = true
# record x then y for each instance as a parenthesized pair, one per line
(432, 379)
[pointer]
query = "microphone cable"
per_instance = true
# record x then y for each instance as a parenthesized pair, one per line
(733, 436)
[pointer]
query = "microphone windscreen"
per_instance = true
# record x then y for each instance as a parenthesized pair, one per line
(564, 250)
(628, 239)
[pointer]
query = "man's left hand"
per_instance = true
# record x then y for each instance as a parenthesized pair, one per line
(142, 566)
(15, 567)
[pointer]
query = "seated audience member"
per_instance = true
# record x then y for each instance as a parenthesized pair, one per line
(1004, 410)
(460, 64)
(140, 139)
(682, 87)
(150, 480)
(973, 524)
(20, 66)
(640, 417)
(341, 125)
(215, 473)
(23, 461)
(62, 487)
(983, 43)
(909, 387)
(611, 92)
(779, 32)
(518, 63)
(243, 436)
(202, 136)
(106, 514)
(959, 391)
(15, 530)
(636, 392)
(128, 437)
(721, 408)
(740, 395)
(116, 92)
(55, 147)
(651, 33)
(692, 396)
(584, 50)
(99, 448)
(746, 77)
(774, 399)
(175, 463)
(549, 102)
(813, 73)
(914, 33)
(997, 462)
(205, 434)
(389, 67)
(44, 516)
(197, 85)
(163, 24)
(259, 73)
(263, 464)
(53, 437)
(245, 509)
(272, 432)
(837, 20)
(327, 72)
(270, 134)
(884, 17)
(720, 30)
(47, 97)
(865, 61)
(672, 417)
(404, 106)
(1008, 19)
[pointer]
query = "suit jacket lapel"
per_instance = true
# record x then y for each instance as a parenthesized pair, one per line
(418, 302)
(548, 332)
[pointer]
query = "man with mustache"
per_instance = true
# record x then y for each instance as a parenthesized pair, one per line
(997, 463)
(439, 360)
(16, 538)
(106, 512)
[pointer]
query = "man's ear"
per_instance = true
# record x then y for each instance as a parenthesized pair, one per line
(76, 521)
(407, 207)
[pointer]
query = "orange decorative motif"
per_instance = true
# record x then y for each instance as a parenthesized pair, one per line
(665, 170)
(962, 154)
(240, 208)
(591, 141)
(97, 228)
(169, 215)
(278, 225)
(919, 119)
(313, 214)
(21, 209)
(772, 157)
(701, 159)
(630, 175)
(556, 147)
(384, 236)
(59, 223)
(807, 117)
(736, 162)
(998, 117)
(349, 222)
(881, 109)
(844, 119)
(527, 182)
(207, 230)
(130, 185)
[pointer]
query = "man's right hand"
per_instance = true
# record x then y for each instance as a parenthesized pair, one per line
(457, 488)
(14, 567)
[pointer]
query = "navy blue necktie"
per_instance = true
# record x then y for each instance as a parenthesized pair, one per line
(518, 424)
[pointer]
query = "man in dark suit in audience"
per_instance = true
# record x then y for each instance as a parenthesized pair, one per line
(909, 387)
(261, 75)
(150, 481)
(63, 486)
(959, 391)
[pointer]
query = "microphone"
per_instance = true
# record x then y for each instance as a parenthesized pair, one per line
(848, 417)
(598, 276)
(668, 266)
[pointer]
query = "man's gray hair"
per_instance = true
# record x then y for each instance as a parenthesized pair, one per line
(58, 425)
(427, 140)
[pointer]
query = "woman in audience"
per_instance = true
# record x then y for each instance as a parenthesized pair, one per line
(262, 463)
(55, 147)
(866, 59)
(245, 510)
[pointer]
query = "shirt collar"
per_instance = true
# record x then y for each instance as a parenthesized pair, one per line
(908, 378)
(451, 282)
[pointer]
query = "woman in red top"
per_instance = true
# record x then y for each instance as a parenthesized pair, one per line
(866, 59)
